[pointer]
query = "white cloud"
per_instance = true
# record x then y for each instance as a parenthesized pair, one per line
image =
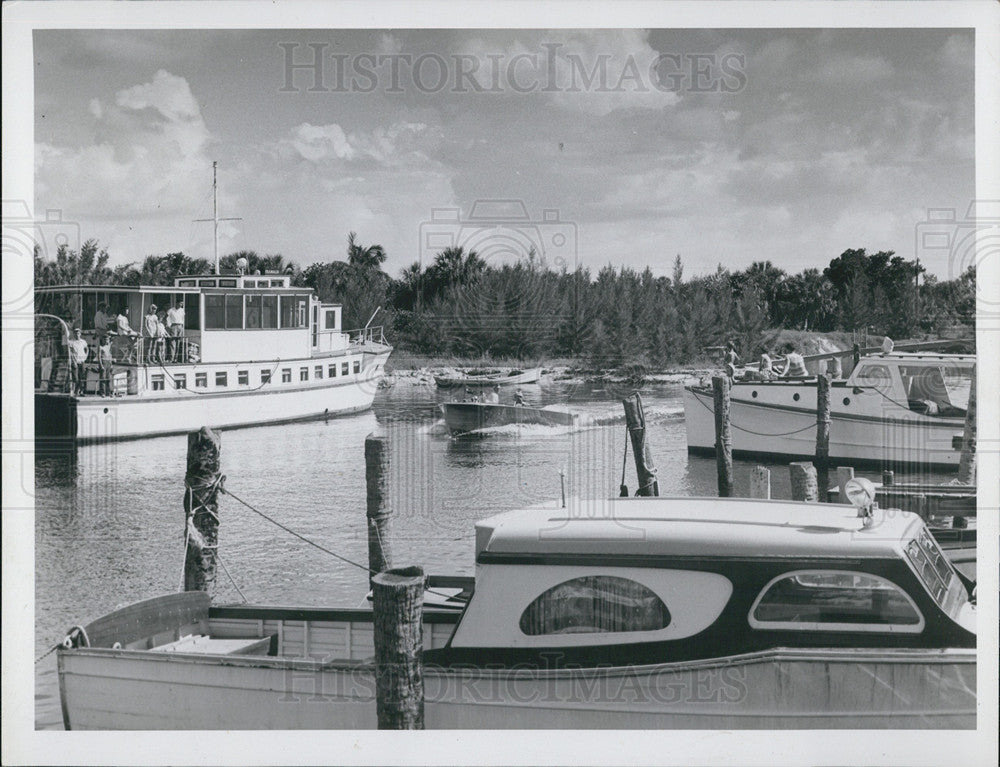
(397, 144)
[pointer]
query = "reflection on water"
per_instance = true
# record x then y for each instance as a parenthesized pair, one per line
(110, 521)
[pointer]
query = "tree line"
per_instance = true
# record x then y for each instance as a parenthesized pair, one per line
(461, 305)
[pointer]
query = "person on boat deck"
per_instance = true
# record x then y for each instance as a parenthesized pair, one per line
(150, 324)
(77, 348)
(121, 322)
(493, 397)
(887, 345)
(834, 368)
(175, 324)
(518, 397)
(795, 366)
(101, 320)
(161, 336)
(104, 363)
(766, 366)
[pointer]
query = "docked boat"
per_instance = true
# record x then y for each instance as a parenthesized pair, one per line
(489, 378)
(894, 410)
(686, 613)
(462, 417)
(253, 349)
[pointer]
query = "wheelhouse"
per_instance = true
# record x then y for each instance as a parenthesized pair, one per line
(930, 384)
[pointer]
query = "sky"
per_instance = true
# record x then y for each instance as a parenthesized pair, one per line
(600, 146)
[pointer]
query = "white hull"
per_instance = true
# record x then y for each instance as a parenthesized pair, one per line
(866, 430)
(100, 419)
(780, 689)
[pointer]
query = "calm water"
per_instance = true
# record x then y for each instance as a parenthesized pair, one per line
(109, 522)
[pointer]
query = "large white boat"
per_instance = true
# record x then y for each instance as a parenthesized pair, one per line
(633, 613)
(898, 409)
(254, 350)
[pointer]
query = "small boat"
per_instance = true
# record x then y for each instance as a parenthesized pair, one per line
(894, 410)
(669, 613)
(464, 417)
(480, 377)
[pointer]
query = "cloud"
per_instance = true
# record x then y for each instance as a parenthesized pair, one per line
(147, 155)
(394, 145)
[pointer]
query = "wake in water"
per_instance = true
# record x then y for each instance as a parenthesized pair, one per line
(656, 414)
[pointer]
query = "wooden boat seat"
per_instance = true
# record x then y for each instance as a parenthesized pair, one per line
(207, 645)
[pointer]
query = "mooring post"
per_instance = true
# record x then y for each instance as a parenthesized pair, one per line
(760, 482)
(201, 509)
(723, 436)
(379, 506)
(967, 463)
(888, 478)
(844, 475)
(635, 421)
(804, 483)
(823, 433)
(398, 597)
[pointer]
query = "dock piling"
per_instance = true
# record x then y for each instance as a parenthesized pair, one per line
(201, 509)
(723, 436)
(805, 486)
(760, 482)
(635, 421)
(967, 463)
(888, 478)
(823, 431)
(398, 597)
(379, 507)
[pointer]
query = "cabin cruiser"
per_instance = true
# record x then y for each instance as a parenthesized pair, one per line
(899, 409)
(254, 349)
(713, 613)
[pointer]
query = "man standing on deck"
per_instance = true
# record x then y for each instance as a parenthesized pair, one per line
(77, 349)
(101, 320)
(175, 324)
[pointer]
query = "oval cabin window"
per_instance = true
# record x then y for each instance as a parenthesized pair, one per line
(832, 600)
(596, 604)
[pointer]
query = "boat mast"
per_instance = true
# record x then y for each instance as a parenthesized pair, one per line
(215, 214)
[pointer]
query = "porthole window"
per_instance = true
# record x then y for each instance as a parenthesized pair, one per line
(847, 400)
(834, 600)
(595, 604)
(754, 394)
(796, 397)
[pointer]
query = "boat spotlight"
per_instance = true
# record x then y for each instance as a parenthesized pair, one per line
(242, 265)
(861, 493)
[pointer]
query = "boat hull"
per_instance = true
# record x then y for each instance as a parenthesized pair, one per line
(778, 689)
(524, 377)
(462, 417)
(88, 419)
(778, 424)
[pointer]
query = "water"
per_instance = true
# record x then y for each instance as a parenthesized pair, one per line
(110, 522)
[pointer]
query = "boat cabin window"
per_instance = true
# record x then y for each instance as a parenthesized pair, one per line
(331, 371)
(157, 382)
(221, 379)
(286, 375)
(932, 566)
(834, 600)
(201, 380)
(874, 375)
(293, 311)
(595, 604)
(344, 369)
(331, 319)
(357, 366)
(937, 390)
(180, 380)
(186, 283)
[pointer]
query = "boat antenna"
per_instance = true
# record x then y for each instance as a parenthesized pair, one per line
(623, 491)
(215, 213)
(562, 487)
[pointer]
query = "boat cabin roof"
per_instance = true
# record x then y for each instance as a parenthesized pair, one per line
(929, 358)
(272, 283)
(695, 527)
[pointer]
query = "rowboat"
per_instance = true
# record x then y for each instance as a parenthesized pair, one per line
(489, 378)
(685, 613)
(462, 417)
(895, 410)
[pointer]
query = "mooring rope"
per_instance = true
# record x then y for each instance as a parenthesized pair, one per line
(757, 433)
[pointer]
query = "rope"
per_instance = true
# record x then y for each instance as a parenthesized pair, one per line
(231, 579)
(758, 433)
(173, 380)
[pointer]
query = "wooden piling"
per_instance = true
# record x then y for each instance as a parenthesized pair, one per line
(398, 598)
(760, 482)
(823, 433)
(804, 483)
(844, 475)
(379, 506)
(723, 436)
(635, 421)
(888, 478)
(201, 509)
(967, 463)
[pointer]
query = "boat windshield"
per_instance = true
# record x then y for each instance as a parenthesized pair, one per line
(937, 389)
(936, 572)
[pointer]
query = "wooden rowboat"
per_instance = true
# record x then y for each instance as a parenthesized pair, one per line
(489, 378)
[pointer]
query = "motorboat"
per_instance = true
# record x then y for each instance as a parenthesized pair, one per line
(689, 613)
(463, 417)
(902, 409)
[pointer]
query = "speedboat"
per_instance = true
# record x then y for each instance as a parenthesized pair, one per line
(462, 417)
(895, 410)
(489, 378)
(714, 613)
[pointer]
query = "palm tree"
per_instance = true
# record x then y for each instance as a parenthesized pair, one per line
(371, 257)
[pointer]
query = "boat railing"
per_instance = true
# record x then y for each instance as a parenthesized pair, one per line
(369, 335)
(139, 350)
